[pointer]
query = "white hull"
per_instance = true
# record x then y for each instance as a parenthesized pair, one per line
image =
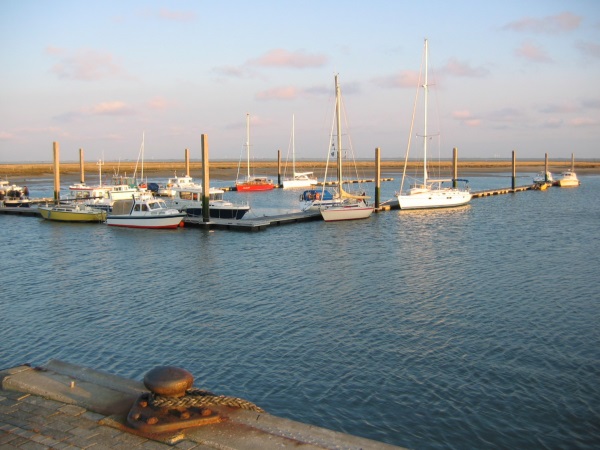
(568, 183)
(158, 221)
(299, 183)
(317, 205)
(543, 177)
(346, 212)
(568, 179)
(436, 198)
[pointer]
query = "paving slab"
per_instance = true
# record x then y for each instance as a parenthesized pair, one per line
(61, 405)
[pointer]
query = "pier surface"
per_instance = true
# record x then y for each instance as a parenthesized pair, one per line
(61, 405)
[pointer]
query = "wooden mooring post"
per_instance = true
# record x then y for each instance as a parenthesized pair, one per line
(454, 167)
(205, 180)
(81, 167)
(514, 170)
(377, 177)
(187, 162)
(56, 153)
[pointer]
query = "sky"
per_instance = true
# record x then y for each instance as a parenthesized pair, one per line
(103, 75)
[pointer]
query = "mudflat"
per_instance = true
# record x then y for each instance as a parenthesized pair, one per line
(229, 169)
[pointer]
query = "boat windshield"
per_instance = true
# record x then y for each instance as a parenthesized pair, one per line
(158, 204)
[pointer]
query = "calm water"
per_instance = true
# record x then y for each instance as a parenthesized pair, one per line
(468, 328)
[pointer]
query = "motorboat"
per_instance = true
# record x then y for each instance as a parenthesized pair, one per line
(144, 212)
(14, 196)
(568, 178)
(104, 197)
(168, 190)
(543, 177)
(72, 212)
(189, 200)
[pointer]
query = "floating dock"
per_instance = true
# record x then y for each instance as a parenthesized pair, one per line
(61, 405)
(479, 194)
(257, 224)
(262, 223)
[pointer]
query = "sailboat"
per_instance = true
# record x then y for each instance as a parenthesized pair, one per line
(431, 193)
(299, 179)
(345, 206)
(252, 183)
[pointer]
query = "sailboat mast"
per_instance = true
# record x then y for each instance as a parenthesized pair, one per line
(293, 149)
(339, 132)
(425, 137)
(143, 135)
(248, 144)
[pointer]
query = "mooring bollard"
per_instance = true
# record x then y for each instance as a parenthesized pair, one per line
(168, 381)
(173, 404)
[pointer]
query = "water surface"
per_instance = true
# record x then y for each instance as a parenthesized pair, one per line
(468, 328)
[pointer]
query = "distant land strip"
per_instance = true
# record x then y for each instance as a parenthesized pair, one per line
(227, 168)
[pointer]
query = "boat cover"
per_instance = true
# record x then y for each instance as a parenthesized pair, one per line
(312, 194)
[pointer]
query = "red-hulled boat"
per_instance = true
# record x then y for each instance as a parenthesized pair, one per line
(252, 183)
(255, 184)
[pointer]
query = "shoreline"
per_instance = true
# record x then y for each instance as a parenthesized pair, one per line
(229, 169)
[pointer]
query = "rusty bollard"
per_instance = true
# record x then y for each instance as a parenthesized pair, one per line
(171, 383)
(168, 381)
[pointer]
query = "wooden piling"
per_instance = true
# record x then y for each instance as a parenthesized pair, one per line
(572, 162)
(514, 170)
(546, 168)
(377, 177)
(81, 167)
(205, 180)
(454, 167)
(187, 162)
(56, 155)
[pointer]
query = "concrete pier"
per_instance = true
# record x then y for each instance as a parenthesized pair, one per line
(61, 405)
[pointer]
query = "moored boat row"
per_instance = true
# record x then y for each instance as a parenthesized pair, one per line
(567, 178)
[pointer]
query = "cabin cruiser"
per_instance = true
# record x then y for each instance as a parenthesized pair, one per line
(189, 200)
(144, 211)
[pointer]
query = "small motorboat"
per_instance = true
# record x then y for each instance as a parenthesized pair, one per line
(72, 212)
(543, 177)
(189, 201)
(144, 212)
(568, 179)
(13, 196)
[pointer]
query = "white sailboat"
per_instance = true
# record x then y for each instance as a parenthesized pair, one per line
(431, 193)
(299, 179)
(346, 206)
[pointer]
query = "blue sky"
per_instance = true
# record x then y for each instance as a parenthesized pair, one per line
(97, 75)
